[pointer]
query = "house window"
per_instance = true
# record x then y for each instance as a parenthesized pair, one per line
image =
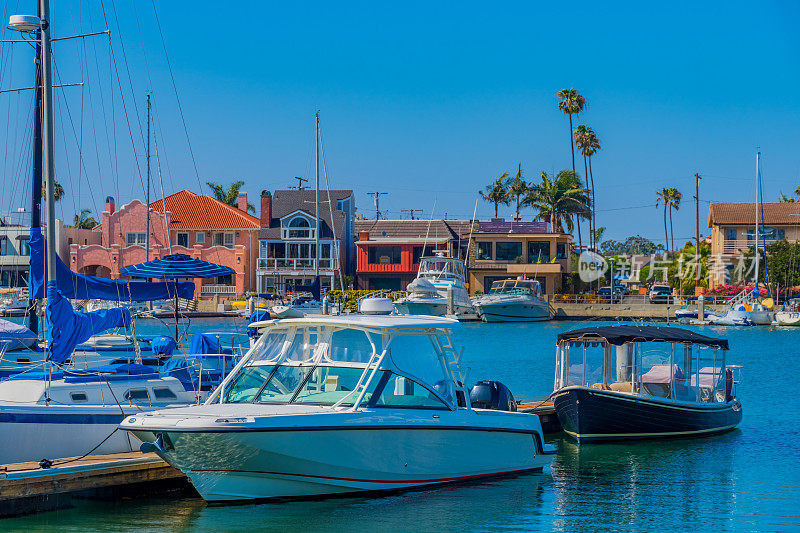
(508, 251)
(384, 255)
(200, 237)
(134, 238)
(419, 252)
(538, 251)
(229, 240)
(561, 250)
(7, 247)
(223, 239)
(730, 234)
(781, 236)
(25, 247)
(299, 228)
(484, 251)
(183, 240)
(227, 279)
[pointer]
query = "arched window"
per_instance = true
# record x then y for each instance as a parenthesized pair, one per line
(299, 228)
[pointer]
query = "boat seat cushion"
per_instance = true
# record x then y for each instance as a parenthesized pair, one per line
(601, 386)
(623, 386)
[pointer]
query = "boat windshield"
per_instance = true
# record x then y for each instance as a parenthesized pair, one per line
(675, 371)
(328, 365)
(518, 286)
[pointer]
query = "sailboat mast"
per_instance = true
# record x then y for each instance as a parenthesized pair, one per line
(36, 188)
(147, 194)
(316, 202)
(758, 203)
(47, 137)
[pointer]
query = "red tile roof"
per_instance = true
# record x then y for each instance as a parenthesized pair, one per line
(744, 213)
(199, 211)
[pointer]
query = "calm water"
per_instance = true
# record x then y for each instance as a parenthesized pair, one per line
(746, 480)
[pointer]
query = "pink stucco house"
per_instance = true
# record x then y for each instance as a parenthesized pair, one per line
(187, 223)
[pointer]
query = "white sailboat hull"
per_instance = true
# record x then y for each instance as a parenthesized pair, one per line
(788, 318)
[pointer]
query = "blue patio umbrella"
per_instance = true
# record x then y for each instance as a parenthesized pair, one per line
(176, 266)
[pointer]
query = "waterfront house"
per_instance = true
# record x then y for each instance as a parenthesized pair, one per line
(287, 249)
(508, 249)
(733, 231)
(388, 251)
(187, 223)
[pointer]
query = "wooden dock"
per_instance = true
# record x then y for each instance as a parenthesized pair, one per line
(27, 488)
(546, 412)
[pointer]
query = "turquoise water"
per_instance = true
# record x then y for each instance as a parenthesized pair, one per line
(745, 480)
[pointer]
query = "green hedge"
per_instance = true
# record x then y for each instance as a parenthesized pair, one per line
(353, 296)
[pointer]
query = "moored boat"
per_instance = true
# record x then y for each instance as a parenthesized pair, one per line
(332, 405)
(789, 315)
(513, 300)
(438, 290)
(609, 387)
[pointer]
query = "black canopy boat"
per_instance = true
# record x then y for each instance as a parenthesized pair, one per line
(638, 382)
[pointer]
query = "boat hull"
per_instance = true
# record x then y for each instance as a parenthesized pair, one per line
(291, 462)
(787, 318)
(591, 415)
(513, 312)
(431, 307)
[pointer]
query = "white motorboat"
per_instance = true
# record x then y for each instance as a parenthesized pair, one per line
(789, 315)
(438, 278)
(331, 405)
(513, 300)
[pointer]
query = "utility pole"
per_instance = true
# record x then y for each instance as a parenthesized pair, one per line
(377, 196)
(147, 194)
(697, 179)
(300, 182)
(411, 212)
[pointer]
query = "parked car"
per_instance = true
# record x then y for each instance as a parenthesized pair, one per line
(660, 294)
(610, 295)
(623, 289)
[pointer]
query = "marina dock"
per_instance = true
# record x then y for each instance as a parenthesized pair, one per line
(27, 488)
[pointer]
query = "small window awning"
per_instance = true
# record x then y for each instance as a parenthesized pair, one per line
(619, 335)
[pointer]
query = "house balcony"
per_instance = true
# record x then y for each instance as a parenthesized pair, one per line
(561, 265)
(218, 289)
(273, 264)
(734, 246)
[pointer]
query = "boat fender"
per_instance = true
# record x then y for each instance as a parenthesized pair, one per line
(494, 395)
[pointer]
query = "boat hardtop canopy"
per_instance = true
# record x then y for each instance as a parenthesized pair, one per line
(438, 267)
(515, 286)
(619, 335)
(365, 321)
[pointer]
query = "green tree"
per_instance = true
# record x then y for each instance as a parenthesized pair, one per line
(83, 220)
(634, 245)
(58, 190)
(663, 197)
(559, 199)
(597, 234)
(571, 102)
(675, 197)
(497, 192)
(589, 144)
(230, 195)
(518, 188)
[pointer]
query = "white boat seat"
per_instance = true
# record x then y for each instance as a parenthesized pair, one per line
(331, 384)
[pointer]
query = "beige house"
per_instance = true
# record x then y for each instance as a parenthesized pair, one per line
(733, 230)
(507, 249)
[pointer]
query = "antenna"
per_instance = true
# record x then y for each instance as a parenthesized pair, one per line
(411, 212)
(300, 182)
(377, 196)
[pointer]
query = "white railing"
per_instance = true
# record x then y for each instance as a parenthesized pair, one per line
(218, 289)
(273, 263)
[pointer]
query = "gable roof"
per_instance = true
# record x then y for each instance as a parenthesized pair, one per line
(744, 213)
(290, 201)
(200, 211)
(436, 231)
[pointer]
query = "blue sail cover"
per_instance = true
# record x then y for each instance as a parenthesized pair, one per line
(68, 328)
(313, 288)
(176, 266)
(81, 286)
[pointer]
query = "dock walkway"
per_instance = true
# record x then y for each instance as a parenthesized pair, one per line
(28, 488)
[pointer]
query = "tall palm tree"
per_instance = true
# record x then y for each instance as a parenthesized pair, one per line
(497, 192)
(559, 198)
(571, 102)
(663, 196)
(83, 220)
(58, 190)
(589, 144)
(675, 197)
(518, 188)
(230, 195)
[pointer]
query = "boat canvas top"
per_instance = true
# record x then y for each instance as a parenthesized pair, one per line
(619, 335)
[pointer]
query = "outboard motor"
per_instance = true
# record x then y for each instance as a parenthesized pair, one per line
(492, 395)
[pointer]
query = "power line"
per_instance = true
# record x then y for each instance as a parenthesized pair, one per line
(377, 196)
(411, 212)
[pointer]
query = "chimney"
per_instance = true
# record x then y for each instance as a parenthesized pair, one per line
(363, 235)
(242, 202)
(266, 208)
(110, 205)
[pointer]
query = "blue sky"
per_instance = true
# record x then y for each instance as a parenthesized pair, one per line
(430, 101)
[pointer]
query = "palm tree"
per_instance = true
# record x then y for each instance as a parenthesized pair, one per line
(589, 144)
(675, 197)
(497, 192)
(663, 196)
(517, 188)
(598, 234)
(83, 220)
(230, 195)
(58, 190)
(571, 102)
(559, 199)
